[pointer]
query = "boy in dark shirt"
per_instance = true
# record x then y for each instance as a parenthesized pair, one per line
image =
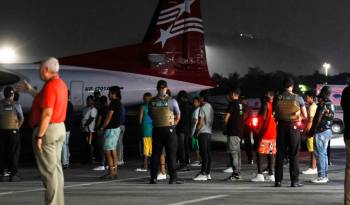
(183, 130)
(234, 130)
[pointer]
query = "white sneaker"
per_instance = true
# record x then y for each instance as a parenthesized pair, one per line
(196, 164)
(320, 180)
(310, 171)
(208, 177)
(201, 177)
(265, 171)
(99, 168)
(258, 178)
(161, 176)
(141, 170)
(270, 178)
(6, 173)
(228, 170)
(121, 163)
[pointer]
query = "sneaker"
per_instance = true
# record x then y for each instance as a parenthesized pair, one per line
(176, 181)
(14, 178)
(200, 177)
(265, 171)
(161, 176)
(196, 164)
(208, 176)
(270, 178)
(153, 181)
(65, 166)
(228, 170)
(258, 178)
(296, 185)
(320, 180)
(99, 168)
(6, 173)
(120, 163)
(235, 177)
(310, 171)
(141, 170)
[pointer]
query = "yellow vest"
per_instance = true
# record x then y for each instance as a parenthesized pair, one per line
(161, 112)
(288, 107)
(8, 116)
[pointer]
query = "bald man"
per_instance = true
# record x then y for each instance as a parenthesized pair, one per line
(47, 119)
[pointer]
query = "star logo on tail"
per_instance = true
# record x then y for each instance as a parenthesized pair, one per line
(178, 26)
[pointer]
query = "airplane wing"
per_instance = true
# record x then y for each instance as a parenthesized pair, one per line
(7, 77)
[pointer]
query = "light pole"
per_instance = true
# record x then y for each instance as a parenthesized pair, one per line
(326, 67)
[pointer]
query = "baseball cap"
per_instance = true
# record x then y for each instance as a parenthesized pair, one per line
(8, 91)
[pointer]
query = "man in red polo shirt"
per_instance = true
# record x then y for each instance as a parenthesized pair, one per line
(47, 118)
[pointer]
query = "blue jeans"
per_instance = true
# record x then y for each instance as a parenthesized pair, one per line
(65, 150)
(322, 140)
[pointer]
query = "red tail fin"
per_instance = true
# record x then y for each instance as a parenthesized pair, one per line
(177, 31)
(173, 47)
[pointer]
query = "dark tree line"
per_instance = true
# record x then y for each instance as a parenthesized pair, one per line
(256, 81)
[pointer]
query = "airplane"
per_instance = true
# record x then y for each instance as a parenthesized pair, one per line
(7, 77)
(173, 49)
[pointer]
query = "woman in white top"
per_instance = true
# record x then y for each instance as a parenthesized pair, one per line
(88, 125)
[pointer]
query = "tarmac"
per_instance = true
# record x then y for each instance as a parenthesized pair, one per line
(82, 186)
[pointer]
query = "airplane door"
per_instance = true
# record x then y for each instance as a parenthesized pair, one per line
(76, 91)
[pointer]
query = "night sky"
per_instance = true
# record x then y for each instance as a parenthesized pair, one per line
(290, 35)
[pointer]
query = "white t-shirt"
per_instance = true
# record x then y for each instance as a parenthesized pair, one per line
(194, 117)
(206, 112)
(89, 112)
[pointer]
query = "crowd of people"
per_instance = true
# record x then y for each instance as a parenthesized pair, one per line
(176, 132)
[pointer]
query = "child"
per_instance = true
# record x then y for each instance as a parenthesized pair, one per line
(145, 122)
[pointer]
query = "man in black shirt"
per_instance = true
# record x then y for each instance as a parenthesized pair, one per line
(97, 95)
(111, 127)
(183, 130)
(345, 103)
(101, 116)
(234, 130)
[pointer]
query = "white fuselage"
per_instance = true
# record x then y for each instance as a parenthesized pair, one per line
(82, 82)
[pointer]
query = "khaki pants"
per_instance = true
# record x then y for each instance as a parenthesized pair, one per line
(347, 175)
(234, 151)
(49, 163)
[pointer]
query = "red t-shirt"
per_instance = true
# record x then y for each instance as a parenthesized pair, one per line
(53, 95)
(270, 127)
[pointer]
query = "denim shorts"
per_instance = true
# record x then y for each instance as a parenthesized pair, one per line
(111, 137)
